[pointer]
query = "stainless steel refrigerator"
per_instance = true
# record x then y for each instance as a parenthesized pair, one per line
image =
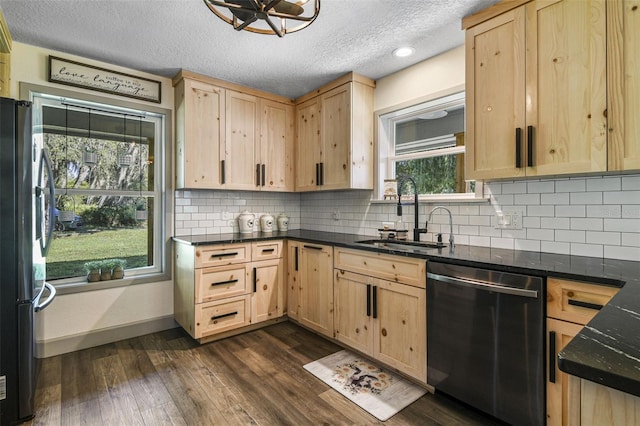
(26, 192)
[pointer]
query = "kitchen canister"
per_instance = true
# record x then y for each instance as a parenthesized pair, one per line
(245, 222)
(283, 222)
(266, 223)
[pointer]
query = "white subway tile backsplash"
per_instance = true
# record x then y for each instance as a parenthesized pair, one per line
(586, 198)
(540, 187)
(587, 224)
(571, 211)
(622, 252)
(555, 199)
(571, 185)
(605, 238)
(622, 197)
(592, 216)
(555, 222)
(587, 250)
(570, 236)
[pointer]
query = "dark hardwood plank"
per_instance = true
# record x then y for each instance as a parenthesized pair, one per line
(256, 378)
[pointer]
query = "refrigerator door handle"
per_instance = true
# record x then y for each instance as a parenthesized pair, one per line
(45, 241)
(52, 294)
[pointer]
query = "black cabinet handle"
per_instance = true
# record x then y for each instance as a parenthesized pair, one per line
(264, 172)
(530, 146)
(518, 147)
(317, 174)
(368, 300)
(321, 173)
(224, 282)
(230, 314)
(235, 253)
(257, 174)
(552, 356)
(312, 247)
(296, 256)
(222, 172)
(584, 304)
(375, 302)
(268, 250)
(255, 279)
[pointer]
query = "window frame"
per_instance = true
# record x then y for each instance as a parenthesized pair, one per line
(386, 121)
(164, 196)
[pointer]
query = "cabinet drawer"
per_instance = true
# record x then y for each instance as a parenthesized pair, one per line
(391, 268)
(266, 250)
(220, 255)
(576, 301)
(222, 315)
(220, 282)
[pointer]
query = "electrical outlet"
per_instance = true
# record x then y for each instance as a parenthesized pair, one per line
(336, 215)
(508, 220)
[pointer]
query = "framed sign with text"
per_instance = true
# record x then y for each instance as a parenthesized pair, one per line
(77, 74)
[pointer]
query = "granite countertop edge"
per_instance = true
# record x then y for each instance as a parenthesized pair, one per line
(607, 349)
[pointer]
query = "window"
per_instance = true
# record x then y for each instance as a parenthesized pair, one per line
(108, 170)
(426, 142)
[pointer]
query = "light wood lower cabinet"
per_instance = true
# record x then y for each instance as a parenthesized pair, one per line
(315, 298)
(600, 405)
(379, 317)
(570, 306)
(218, 288)
(293, 278)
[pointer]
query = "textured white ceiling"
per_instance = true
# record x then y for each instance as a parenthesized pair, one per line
(163, 36)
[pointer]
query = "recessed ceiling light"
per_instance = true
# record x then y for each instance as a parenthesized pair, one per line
(402, 52)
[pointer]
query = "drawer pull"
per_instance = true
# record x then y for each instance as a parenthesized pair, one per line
(268, 250)
(585, 304)
(368, 300)
(255, 279)
(312, 247)
(529, 146)
(375, 302)
(235, 253)
(222, 172)
(518, 147)
(230, 314)
(225, 282)
(552, 356)
(296, 262)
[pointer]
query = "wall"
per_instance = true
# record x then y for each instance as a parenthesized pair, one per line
(85, 319)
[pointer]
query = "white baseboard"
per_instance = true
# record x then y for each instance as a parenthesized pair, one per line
(65, 344)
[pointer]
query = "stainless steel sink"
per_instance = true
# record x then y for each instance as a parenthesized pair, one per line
(402, 245)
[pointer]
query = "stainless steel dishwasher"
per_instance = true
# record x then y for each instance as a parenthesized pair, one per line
(485, 340)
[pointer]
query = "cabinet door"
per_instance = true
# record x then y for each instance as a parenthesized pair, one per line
(316, 288)
(308, 148)
(353, 310)
(560, 394)
(276, 145)
(335, 131)
(495, 96)
(400, 338)
(293, 278)
(566, 86)
(268, 280)
(602, 405)
(623, 59)
(241, 155)
(200, 111)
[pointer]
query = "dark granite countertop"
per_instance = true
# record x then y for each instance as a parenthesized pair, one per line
(606, 351)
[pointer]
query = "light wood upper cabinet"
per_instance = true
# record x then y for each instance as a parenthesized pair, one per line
(623, 51)
(241, 142)
(232, 137)
(315, 300)
(308, 139)
(335, 136)
(536, 91)
(200, 110)
(5, 58)
(277, 137)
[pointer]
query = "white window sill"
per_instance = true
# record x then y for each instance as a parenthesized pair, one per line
(437, 198)
(79, 285)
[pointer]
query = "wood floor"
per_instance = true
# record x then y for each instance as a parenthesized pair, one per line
(166, 378)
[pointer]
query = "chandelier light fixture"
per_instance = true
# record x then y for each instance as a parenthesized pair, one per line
(266, 16)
